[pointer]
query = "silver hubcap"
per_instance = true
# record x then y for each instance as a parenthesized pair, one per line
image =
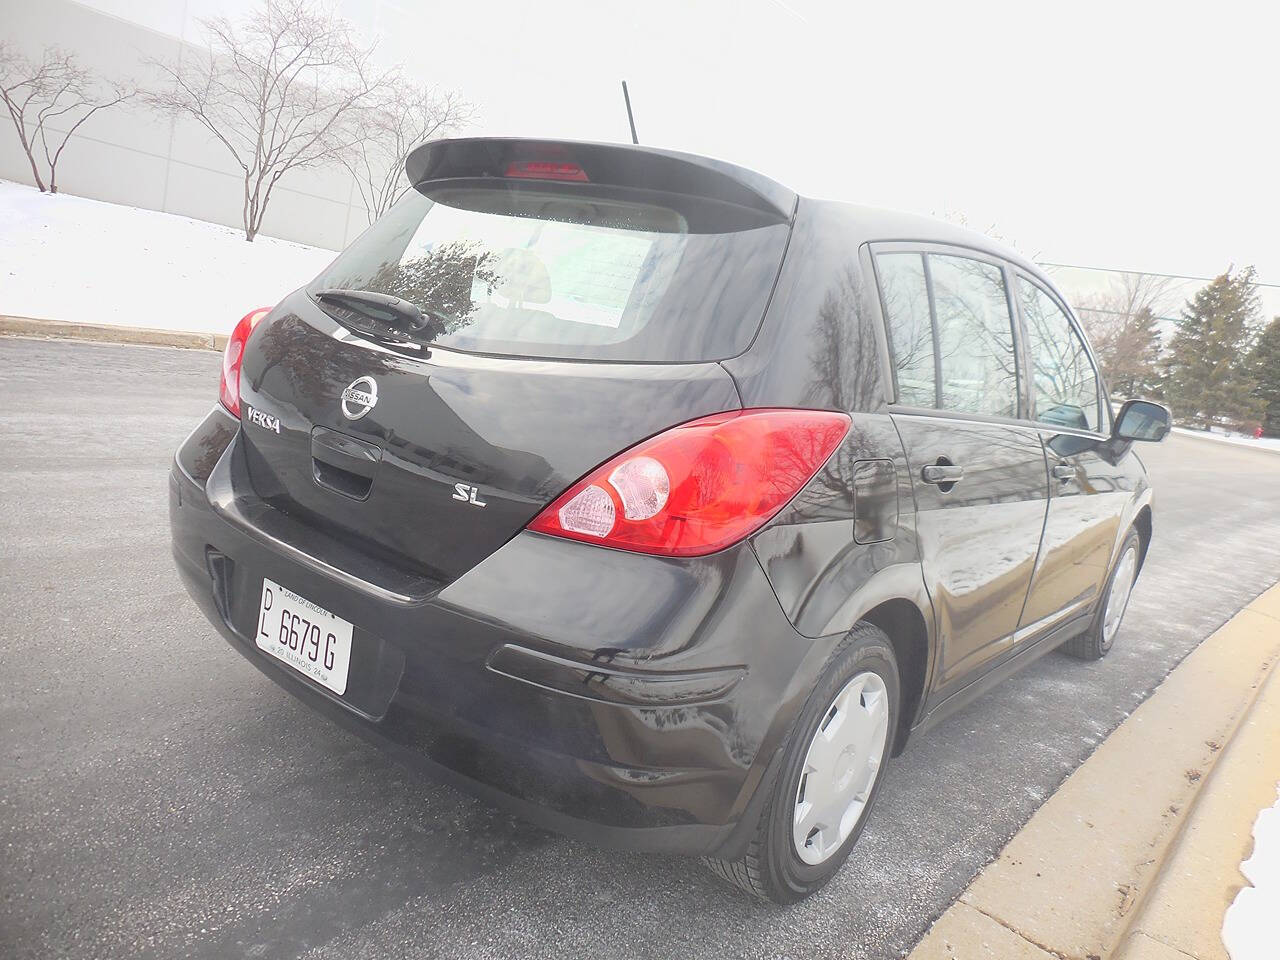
(1118, 599)
(840, 768)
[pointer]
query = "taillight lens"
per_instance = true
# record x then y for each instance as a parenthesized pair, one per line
(233, 356)
(699, 487)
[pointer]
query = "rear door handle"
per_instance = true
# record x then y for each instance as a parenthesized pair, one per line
(1064, 471)
(935, 473)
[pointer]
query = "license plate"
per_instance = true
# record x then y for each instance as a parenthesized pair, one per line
(304, 635)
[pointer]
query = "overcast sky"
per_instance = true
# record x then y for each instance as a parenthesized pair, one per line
(1124, 135)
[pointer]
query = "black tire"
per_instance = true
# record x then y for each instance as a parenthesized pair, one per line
(771, 868)
(1093, 644)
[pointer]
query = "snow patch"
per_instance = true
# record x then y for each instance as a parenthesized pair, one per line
(1249, 927)
(1239, 439)
(86, 261)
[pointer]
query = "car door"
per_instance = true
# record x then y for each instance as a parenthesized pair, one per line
(1088, 488)
(979, 477)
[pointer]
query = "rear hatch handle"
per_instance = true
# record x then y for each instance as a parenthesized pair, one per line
(342, 463)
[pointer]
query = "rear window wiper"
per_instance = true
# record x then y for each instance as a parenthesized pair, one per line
(379, 314)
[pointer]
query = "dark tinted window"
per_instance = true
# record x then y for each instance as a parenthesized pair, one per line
(975, 336)
(906, 306)
(573, 272)
(1063, 377)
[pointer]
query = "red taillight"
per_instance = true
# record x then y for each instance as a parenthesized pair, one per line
(699, 487)
(229, 388)
(545, 170)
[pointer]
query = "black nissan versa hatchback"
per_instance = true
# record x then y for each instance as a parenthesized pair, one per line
(633, 490)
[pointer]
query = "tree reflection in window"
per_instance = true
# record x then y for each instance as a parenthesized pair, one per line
(906, 308)
(1063, 377)
(975, 336)
(440, 282)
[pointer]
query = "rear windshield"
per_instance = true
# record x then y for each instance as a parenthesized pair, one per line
(580, 273)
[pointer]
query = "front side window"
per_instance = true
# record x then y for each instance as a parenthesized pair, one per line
(1062, 375)
(975, 336)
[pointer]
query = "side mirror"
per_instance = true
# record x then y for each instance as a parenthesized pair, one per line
(1142, 420)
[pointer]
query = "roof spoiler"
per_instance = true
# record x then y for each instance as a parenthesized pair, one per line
(602, 163)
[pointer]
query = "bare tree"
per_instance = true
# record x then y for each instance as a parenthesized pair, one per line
(407, 115)
(1123, 326)
(279, 90)
(49, 101)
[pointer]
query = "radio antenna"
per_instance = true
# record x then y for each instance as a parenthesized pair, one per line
(630, 119)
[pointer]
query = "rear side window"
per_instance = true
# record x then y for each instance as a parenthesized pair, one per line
(580, 272)
(950, 332)
(1062, 375)
(975, 337)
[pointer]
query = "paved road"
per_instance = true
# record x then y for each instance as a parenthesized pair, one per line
(159, 797)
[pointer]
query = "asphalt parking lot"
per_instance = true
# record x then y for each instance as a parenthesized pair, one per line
(159, 797)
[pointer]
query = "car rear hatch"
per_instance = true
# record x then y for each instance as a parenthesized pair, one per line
(525, 313)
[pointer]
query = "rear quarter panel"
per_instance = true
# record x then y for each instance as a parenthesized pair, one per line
(824, 578)
(821, 345)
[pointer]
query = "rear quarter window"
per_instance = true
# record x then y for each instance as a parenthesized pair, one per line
(905, 296)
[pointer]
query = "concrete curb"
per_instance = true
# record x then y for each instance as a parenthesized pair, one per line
(108, 333)
(1183, 912)
(1070, 883)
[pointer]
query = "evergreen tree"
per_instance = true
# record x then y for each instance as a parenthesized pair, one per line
(1208, 372)
(1264, 364)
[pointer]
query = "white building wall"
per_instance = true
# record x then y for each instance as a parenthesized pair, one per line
(130, 155)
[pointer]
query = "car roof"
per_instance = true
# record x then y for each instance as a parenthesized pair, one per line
(872, 224)
(453, 156)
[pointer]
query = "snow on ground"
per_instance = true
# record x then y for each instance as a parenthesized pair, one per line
(1267, 443)
(85, 261)
(1249, 927)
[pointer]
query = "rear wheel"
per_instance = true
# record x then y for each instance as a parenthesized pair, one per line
(830, 775)
(1095, 642)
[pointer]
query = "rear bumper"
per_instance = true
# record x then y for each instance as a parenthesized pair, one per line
(628, 700)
